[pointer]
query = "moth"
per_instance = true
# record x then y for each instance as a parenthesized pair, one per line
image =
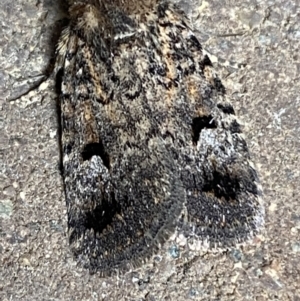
(150, 141)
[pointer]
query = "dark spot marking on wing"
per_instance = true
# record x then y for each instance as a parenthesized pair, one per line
(200, 123)
(95, 149)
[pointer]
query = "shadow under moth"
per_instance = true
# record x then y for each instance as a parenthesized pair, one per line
(150, 142)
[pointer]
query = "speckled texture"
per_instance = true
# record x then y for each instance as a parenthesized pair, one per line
(35, 260)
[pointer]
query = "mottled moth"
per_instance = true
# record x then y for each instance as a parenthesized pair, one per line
(150, 141)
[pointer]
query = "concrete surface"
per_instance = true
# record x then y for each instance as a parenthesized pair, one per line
(35, 261)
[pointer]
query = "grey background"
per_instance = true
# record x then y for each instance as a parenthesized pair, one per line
(35, 261)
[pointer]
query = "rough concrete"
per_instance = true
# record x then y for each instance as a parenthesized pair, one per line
(35, 261)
